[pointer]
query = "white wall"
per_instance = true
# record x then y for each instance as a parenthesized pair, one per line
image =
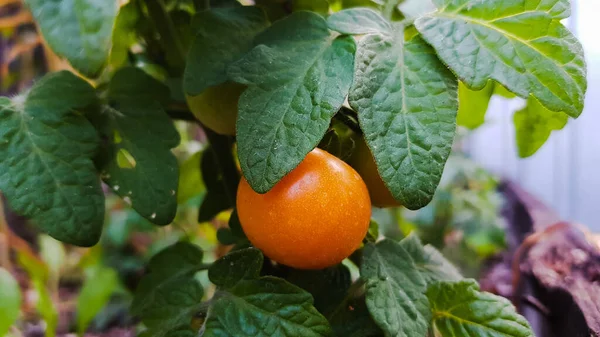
(565, 172)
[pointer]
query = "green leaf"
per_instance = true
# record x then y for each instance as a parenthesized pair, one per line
(10, 301)
(223, 35)
(95, 293)
(430, 263)
(46, 150)
(79, 30)
(533, 126)
(358, 21)
(168, 297)
(297, 77)
(473, 104)
(406, 101)
(190, 178)
(413, 9)
(264, 307)
(244, 264)
(138, 163)
(521, 44)
(461, 307)
(395, 293)
(124, 34)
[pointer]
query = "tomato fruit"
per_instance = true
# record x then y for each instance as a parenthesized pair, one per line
(217, 107)
(315, 217)
(362, 161)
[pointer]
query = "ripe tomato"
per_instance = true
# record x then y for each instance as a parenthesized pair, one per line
(362, 161)
(315, 217)
(217, 107)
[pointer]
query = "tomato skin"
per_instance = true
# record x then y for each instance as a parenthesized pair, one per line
(217, 107)
(362, 161)
(315, 217)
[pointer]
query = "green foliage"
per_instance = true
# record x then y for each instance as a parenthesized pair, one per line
(136, 161)
(238, 265)
(246, 305)
(10, 301)
(79, 30)
(533, 125)
(297, 77)
(395, 290)
(223, 35)
(460, 306)
(521, 44)
(429, 262)
(401, 74)
(406, 103)
(168, 297)
(46, 159)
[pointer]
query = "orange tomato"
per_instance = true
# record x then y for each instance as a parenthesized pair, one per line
(315, 217)
(362, 161)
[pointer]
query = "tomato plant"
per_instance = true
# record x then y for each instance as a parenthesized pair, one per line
(380, 84)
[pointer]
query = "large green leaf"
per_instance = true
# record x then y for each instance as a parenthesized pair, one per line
(46, 150)
(473, 104)
(460, 309)
(95, 293)
(406, 101)
(395, 290)
(522, 44)
(412, 9)
(223, 35)
(533, 125)
(430, 263)
(298, 77)
(358, 21)
(79, 30)
(168, 297)
(246, 305)
(137, 162)
(10, 301)
(265, 307)
(236, 266)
